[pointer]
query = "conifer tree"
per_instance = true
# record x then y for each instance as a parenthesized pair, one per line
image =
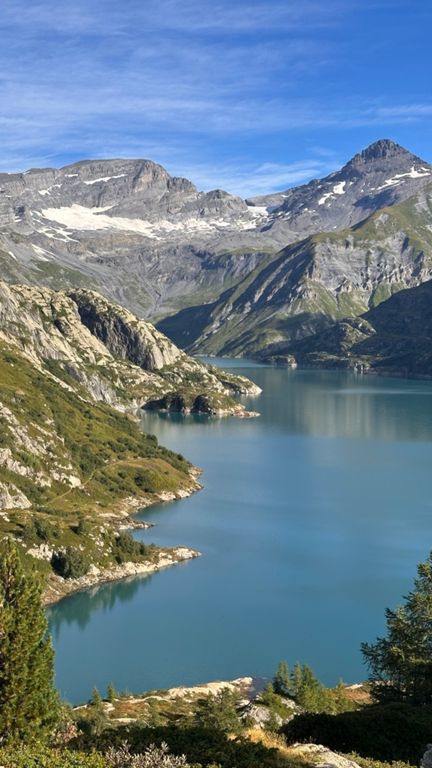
(112, 694)
(401, 663)
(281, 680)
(29, 705)
(218, 711)
(96, 698)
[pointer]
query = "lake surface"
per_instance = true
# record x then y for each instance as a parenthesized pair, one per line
(311, 522)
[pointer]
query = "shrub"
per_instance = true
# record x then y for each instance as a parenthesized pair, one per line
(153, 757)
(70, 563)
(383, 732)
(127, 549)
(43, 757)
(218, 711)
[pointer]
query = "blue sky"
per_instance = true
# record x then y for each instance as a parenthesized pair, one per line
(245, 95)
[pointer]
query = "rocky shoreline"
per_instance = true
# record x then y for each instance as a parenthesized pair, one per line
(58, 588)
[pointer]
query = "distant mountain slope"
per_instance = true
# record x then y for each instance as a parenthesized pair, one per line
(157, 245)
(324, 277)
(395, 337)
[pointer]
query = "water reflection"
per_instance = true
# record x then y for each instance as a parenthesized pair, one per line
(79, 608)
(321, 404)
(342, 405)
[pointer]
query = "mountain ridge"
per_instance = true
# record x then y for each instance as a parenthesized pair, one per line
(156, 244)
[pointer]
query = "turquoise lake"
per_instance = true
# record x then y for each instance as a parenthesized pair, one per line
(311, 522)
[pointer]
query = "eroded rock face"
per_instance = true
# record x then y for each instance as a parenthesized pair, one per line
(12, 498)
(123, 334)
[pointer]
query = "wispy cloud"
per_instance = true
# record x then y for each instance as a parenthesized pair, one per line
(253, 180)
(213, 90)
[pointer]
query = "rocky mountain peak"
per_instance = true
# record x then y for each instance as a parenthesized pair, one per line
(387, 150)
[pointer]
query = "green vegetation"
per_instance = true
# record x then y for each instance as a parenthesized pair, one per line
(218, 712)
(306, 690)
(70, 564)
(45, 757)
(29, 706)
(382, 732)
(207, 747)
(282, 680)
(205, 732)
(52, 434)
(401, 662)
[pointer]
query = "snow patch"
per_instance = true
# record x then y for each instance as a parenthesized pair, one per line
(414, 173)
(338, 189)
(104, 178)
(79, 217)
(13, 255)
(258, 211)
(47, 191)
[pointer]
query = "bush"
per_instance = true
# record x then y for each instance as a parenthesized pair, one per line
(127, 549)
(41, 757)
(383, 732)
(201, 746)
(153, 757)
(70, 563)
(218, 711)
(273, 701)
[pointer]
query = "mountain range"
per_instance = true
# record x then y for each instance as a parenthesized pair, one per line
(219, 274)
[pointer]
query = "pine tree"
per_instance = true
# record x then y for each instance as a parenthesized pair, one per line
(218, 711)
(281, 680)
(401, 663)
(296, 680)
(96, 698)
(29, 705)
(310, 692)
(112, 694)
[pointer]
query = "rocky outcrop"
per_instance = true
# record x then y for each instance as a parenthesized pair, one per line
(12, 498)
(124, 335)
(260, 717)
(88, 342)
(426, 761)
(322, 757)
(59, 588)
(209, 405)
